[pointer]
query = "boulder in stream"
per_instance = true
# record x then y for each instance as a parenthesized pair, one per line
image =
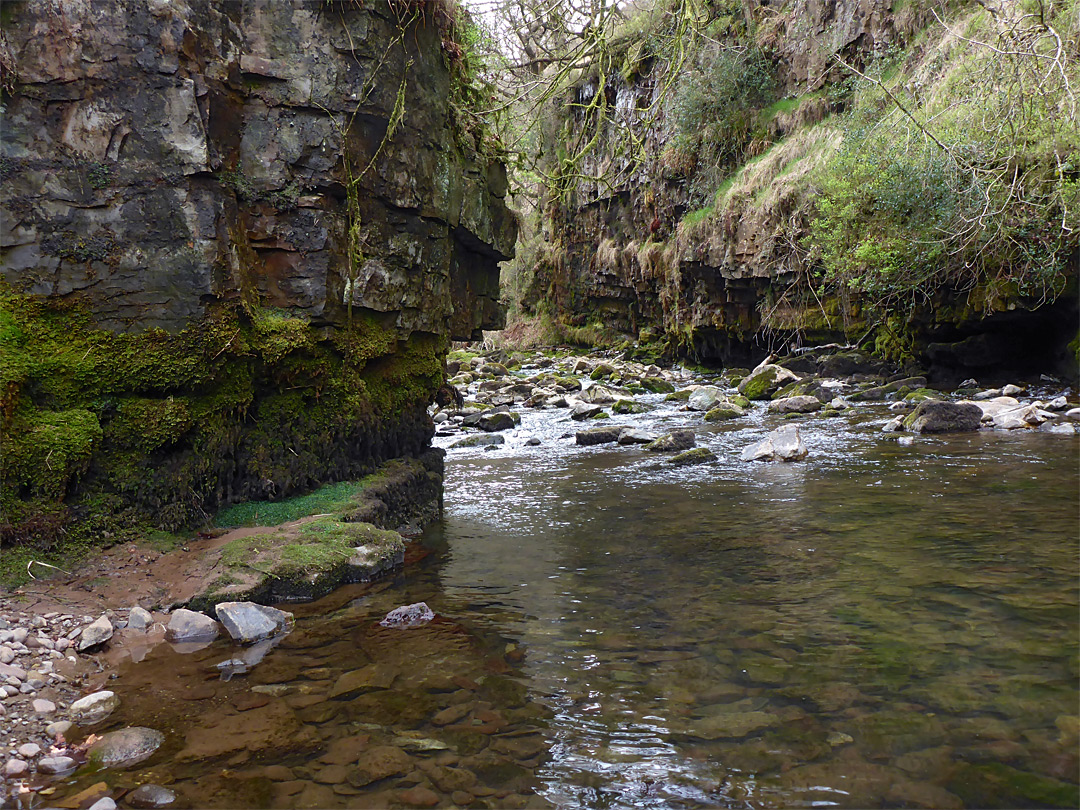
(697, 455)
(248, 622)
(934, 416)
(673, 442)
(483, 440)
(783, 444)
(600, 435)
(584, 410)
(636, 436)
(796, 404)
(766, 380)
(96, 633)
(495, 421)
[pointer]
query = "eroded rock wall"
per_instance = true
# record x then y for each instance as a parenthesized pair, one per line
(235, 242)
(161, 156)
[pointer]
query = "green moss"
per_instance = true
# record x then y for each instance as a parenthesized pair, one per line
(329, 498)
(44, 450)
(155, 430)
(679, 396)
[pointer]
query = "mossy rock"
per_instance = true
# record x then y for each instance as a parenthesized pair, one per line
(301, 561)
(740, 401)
(657, 385)
(625, 406)
(921, 394)
(722, 414)
(149, 430)
(699, 455)
(995, 784)
(601, 415)
(679, 396)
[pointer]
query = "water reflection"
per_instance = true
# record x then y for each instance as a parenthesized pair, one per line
(884, 623)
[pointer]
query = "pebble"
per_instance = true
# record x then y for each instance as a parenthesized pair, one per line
(42, 706)
(29, 750)
(55, 764)
(15, 767)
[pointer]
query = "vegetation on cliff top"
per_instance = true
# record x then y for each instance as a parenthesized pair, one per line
(938, 165)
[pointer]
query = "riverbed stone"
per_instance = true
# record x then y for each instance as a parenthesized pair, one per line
(764, 381)
(248, 622)
(783, 444)
(583, 411)
(94, 707)
(493, 422)
(14, 768)
(42, 706)
(704, 398)
(151, 796)
(139, 618)
(126, 747)
(96, 633)
(724, 411)
(673, 442)
(697, 455)
(944, 417)
(635, 436)
(377, 763)
(732, 725)
(797, 404)
(483, 440)
(601, 435)
(406, 616)
(190, 625)
(53, 765)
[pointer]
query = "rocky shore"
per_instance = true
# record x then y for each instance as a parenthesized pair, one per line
(825, 383)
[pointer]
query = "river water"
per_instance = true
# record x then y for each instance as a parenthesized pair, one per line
(890, 623)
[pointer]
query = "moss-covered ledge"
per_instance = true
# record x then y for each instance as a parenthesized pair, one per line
(105, 435)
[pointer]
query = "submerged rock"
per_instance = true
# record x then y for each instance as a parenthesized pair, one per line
(151, 796)
(783, 444)
(944, 417)
(248, 622)
(409, 616)
(129, 746)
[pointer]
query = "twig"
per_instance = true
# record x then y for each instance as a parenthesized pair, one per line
(35, 562)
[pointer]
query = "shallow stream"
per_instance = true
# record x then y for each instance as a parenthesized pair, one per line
(890, 623)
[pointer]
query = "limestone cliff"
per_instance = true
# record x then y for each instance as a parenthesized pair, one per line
(236, 239)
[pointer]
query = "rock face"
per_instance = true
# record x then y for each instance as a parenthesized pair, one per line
(209, 222)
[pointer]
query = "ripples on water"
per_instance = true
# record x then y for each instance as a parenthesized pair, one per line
(883, 624)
